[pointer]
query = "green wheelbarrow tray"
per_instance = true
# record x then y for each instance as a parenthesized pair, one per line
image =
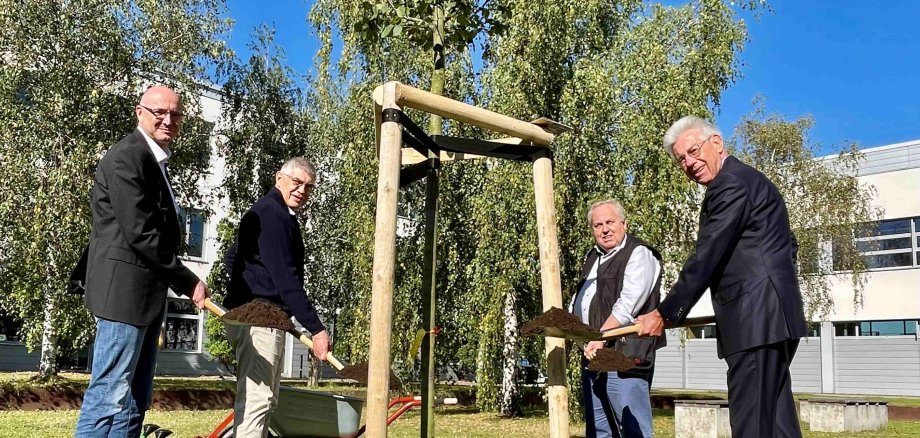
(302, 413)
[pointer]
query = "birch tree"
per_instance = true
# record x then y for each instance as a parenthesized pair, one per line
(70, 74)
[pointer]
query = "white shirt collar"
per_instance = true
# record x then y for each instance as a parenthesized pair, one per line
(161, 154)
(613, 250)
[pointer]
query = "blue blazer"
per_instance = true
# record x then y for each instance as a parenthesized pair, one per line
(746, 255)
(267, 261)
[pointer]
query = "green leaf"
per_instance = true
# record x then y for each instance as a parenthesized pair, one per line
(416, 345)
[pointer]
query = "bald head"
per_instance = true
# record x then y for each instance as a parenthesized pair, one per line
(159, 114)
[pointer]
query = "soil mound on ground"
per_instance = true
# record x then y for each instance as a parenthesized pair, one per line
(358, 372)
(48, 399)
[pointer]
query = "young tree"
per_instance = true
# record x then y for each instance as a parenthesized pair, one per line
(620, 73)
(826, 202)
(70, 75)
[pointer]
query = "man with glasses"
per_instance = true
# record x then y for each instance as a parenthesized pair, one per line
(745, 256)
(133, 258)
(266, 263)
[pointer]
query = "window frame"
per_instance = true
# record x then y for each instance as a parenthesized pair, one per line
(912, 250)
(185, 214)
(198, 316)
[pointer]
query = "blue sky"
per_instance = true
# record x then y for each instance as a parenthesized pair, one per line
(853, 65)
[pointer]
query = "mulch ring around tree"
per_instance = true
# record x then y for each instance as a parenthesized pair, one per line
(558, 319)
(261, 314)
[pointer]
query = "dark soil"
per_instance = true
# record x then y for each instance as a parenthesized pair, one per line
(608, 359)
(358, 372)
(42, 399)
(556, 318)
(261, 314)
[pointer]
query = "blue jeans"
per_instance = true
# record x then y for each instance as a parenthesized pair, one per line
(121, 386)
(614, 406)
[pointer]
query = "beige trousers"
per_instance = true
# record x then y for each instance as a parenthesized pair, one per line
(259, 351)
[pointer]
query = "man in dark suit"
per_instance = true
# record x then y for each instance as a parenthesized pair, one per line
(266, 263)
(745, 255)
(132, 260)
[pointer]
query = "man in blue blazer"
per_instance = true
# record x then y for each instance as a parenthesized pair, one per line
(745, 255)
(133, 258)
(266, 263)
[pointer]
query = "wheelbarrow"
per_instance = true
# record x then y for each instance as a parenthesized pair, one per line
(312, 414)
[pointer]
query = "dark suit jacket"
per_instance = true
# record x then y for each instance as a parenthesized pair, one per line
(267, 261)
(134, 245)
(745, 253)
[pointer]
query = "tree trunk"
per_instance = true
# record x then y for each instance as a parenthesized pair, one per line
(315, 368)
(47, 366)
(437, 73)
(510, 405)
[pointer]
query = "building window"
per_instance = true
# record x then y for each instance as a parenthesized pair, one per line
(183, 324)
(9, 328)
(192, 224)
(877, 328)
(891, 243)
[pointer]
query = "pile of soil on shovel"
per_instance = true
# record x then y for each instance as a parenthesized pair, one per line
(555, 317)
(608, 359)
(261, 314)
(358, 372)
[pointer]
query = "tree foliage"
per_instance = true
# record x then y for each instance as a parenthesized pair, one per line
(70, 75)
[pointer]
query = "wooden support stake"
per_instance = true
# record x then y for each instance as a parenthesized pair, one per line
(557, 390)
(378, 374)
(446, 107)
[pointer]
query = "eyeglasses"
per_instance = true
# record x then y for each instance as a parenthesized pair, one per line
(160, 114)
(693, 150)
(298, 183)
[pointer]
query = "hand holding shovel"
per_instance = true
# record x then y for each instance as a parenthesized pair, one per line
(254, 314)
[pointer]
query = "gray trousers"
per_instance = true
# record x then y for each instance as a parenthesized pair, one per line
(259, 352)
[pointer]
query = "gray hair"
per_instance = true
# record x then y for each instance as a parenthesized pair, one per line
(621, 212)
(684, 124)
(299, 163)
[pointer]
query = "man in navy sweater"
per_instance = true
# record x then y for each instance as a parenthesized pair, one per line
(266, 263)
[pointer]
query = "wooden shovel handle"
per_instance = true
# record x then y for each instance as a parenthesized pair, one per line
(214, 308)
(621, 331)
(635, 328)
(219, 310)
(309, 343)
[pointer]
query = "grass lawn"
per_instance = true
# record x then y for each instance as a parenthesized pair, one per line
(450, 422)
(459, 421)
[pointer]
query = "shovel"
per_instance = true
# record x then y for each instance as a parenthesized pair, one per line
(353, 372)
(558, 323)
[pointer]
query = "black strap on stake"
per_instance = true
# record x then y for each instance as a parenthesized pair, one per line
(416, 138)
(517, 152)
(424, 144)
